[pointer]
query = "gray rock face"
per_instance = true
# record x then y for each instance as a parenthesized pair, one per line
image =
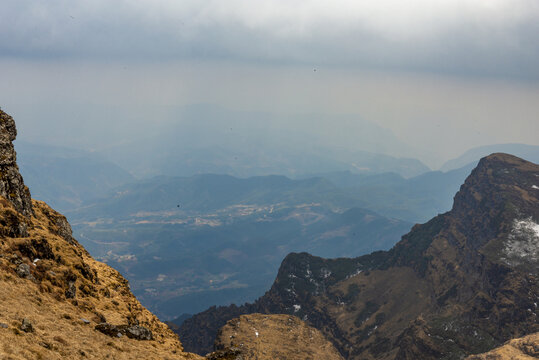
(71, 291)
(232, 353)
(23, 270)
(136, 332)
(64, 229)
(11, 183)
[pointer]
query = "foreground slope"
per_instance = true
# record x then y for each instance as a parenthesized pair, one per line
(463, 283)
(55, 300)
(269, 337)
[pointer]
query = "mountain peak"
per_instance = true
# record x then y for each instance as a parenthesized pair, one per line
(500, 182)
(502, 158)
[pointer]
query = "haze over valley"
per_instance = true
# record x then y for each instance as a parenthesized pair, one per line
(155, 230)
(229, 179)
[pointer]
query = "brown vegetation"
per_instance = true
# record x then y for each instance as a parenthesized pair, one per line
(271, 337)
(64, 295)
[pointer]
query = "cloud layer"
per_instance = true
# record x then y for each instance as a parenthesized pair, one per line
(482, 37)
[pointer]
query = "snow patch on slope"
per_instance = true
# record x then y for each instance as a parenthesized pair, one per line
(522, 243)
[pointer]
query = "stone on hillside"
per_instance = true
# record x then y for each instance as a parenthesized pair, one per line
(71, 291)
(108, 329)
(23, 270)
(26, 325)
(232, 353)
(136, 332)
(139, 333)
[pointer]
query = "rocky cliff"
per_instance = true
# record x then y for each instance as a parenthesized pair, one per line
(463, 283)
(12, 186)
(56, 301)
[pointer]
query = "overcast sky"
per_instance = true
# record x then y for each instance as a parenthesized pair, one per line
(444, 76)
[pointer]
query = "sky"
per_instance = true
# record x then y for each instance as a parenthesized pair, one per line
(443, 75)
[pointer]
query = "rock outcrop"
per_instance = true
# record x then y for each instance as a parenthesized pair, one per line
(460, 284)
(269, 337)
(12, 186)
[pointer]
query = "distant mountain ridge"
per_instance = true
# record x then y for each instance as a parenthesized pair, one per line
(66, 178)
(472, 156)
(415, 199)
(463, 283)
(207, 192)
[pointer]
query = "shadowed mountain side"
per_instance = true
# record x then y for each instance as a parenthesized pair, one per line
(463, 283)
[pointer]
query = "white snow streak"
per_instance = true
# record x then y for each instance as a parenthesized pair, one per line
(523, 242)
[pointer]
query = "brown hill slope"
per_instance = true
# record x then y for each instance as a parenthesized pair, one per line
(55, 300)
(525, 348)
(462, 283)
(271, 337)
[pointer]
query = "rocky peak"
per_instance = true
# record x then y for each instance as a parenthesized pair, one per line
(11, 183)
(499, 178)
(501, 189)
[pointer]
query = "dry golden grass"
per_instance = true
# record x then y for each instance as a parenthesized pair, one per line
(272, 337)
(59, 331)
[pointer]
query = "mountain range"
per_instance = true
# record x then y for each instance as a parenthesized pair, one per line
(472, 156)
(460, 284)
(67, 178)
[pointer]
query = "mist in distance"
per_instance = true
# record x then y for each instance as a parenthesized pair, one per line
(425, 80)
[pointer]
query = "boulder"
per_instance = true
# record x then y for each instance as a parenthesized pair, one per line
(23, 270)
(136, 332)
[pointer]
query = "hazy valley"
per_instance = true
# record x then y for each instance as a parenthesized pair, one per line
(269, 180)
(187, 243)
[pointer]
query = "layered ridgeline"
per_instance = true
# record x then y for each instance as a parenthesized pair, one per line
(460, 284)
(56, 301)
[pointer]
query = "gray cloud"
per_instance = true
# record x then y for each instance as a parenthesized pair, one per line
(492, 38)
